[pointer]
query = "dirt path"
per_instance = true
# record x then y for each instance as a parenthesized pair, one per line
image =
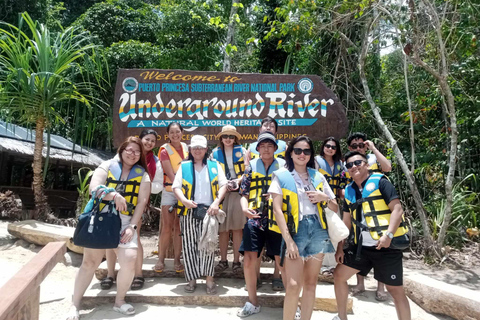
(57, 288)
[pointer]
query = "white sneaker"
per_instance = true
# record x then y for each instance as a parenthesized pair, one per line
(298, 314)
(336, 318)
(247, 310)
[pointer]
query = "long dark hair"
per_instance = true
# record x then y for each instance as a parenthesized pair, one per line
(338, 153)
(142, 161)
(288, 154)
(205, 158)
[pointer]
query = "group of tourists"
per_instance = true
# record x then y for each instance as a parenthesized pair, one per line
(272, 198)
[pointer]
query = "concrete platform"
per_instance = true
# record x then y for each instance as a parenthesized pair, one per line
(266, 271)
(231, 293)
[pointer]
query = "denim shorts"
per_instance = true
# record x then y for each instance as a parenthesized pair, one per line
(311, 238)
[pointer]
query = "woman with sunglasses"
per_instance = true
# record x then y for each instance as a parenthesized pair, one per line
(299, 195)
(171, 154)
(155, 171)
(329, 163)
(200, 184)
(129, 177)
(230, 154)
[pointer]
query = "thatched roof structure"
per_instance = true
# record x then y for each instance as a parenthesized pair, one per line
(21, 141)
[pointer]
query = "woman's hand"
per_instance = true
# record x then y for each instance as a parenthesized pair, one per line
(292, 250)
(120, 202)
(189, 204)
(251, 214)
(127, 235)
(317, 196)
(213, 209)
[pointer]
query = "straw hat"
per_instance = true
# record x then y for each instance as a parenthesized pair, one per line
(229, 130)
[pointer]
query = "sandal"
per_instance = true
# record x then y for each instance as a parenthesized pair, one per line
(106, 283)
(190, 287)
(221, 266)
(159, 267)
(212, 290)
(126, 309)
(237, 268)
(356, 292)
(137, 283)
(179, 268)
(277, 284)
(381, 296)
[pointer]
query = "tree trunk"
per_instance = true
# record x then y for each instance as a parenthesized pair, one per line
(430, 246)
(409, 101)
(41, 206)
(230, 33)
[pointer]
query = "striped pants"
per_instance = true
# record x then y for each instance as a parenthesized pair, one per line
(197, 263)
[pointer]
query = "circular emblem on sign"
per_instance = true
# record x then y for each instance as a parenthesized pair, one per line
(238, 154)
(305, 85)
(138, 170)
(214, 170)
(130, 84)
(370, 186)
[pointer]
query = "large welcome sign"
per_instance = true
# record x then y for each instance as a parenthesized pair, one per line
(203, 102)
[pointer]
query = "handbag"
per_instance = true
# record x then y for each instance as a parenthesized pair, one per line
(201, 210)
(98, 230)
(337, 230)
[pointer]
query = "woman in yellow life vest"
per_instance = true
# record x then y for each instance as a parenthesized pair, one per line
(230, 155)
(171, 154)
(299, 195)
(200, 185)
(329, 163)
(129, 177)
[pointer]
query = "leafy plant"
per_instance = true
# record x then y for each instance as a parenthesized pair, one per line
(83, 188)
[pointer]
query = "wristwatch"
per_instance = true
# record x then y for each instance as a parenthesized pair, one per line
(134, 226)
(389, 234)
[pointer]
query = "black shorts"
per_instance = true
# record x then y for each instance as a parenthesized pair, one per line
(253, 239)
(273, 243)
(386, 264)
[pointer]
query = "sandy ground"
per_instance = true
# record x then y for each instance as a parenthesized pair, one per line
(57, 288)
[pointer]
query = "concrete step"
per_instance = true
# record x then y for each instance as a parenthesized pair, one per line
(266, 271)
(231, 293)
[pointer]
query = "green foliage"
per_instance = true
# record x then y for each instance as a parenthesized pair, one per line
(83, 188)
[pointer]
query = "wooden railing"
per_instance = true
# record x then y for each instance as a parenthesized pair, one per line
(20, 296)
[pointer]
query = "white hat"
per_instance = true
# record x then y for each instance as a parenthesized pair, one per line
(198, 141)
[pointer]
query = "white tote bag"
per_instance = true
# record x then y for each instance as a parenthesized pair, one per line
(337, 230)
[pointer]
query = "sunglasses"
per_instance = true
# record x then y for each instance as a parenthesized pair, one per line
(329, 146)
(361, 145)
(298, 151)
(356, 163)
(225, 136)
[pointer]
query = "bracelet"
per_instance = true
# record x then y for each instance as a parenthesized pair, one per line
(116, 193)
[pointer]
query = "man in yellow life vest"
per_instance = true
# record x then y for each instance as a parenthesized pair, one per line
(256, 208)
(374, 211)
(377, 162)
(271, 125)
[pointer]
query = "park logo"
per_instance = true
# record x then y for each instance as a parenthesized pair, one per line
(370, 186)
(238, 154)
(130, 84)
(305, 85)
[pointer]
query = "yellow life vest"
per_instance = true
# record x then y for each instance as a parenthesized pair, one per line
(290, 206)
(261, 179)
(129, 188)
(175, 160)
(188, 178)
(375, 209)
(238, 162)
(334, 178)
(279, 153)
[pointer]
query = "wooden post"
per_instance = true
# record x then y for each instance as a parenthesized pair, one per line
(20, 296)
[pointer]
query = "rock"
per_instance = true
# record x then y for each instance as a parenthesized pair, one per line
(22, 243)
(32, 246)
(41, 233)
(72, 259)
(442, 298)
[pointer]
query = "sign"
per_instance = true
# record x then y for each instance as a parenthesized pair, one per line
(203, 102)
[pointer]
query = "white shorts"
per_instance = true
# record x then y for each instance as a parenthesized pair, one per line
(168, 198)
(132, 244)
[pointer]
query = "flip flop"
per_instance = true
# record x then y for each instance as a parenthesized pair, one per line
(138, 283)
(381, 296)
(277, 284)
(106, 283)
(190, 288)
(355, 292)
(212, 290)
(159, 267)
(179, 268)
(126, 309)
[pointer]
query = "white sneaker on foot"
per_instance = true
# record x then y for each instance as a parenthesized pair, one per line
(336, 318)
(247, 310)
(298, 314)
